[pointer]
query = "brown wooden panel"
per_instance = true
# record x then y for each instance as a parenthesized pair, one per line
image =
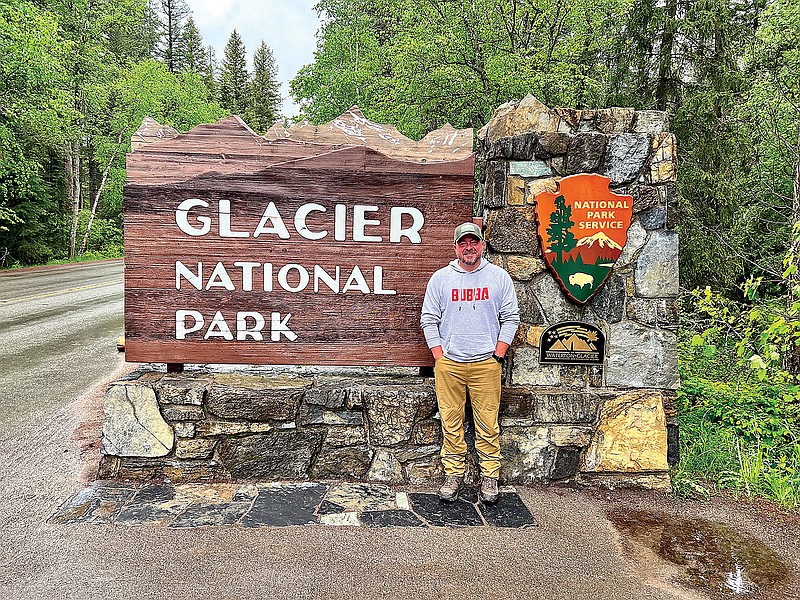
(225, 163)
(158, 167)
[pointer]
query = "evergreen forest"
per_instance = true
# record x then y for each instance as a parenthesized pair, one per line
(78, 76)
(76, 79)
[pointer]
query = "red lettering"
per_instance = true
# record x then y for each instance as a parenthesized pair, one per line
(469, 294)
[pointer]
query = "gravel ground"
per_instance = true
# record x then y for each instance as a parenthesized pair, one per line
(574, 553)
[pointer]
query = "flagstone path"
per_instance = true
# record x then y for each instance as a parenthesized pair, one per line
(282, 504)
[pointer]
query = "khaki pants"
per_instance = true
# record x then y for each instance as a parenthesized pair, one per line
(482, 379)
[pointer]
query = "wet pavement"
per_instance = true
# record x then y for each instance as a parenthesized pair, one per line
(181, 506)
(712, 557)
(53, 320)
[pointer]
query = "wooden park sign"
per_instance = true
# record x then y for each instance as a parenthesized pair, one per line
(310, 245)
(582, 227)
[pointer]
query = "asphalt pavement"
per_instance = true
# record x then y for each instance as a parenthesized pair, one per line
(572, 552)
(58, 330)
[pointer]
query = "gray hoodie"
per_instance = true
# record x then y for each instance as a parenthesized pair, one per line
(466, 313)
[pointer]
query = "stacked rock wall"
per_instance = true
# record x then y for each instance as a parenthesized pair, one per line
(593, 421)
(271, 424)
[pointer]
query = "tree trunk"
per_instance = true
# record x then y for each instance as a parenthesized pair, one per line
(791, 357)
(73, 168)
(98, 193)
(585, 61)
(170, 40)
(92, 178)
(665, 91)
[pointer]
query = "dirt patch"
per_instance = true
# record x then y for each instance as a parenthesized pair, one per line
(88, 413)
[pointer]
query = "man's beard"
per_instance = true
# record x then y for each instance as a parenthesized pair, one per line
(466, 260)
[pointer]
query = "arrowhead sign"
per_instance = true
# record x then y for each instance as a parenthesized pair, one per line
(582, 227)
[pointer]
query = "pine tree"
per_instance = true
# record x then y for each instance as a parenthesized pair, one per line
(234, 78)
(209, 71)
(561, 238)
(139, 39)
(264, 91)
(192, 51)
(171, 15)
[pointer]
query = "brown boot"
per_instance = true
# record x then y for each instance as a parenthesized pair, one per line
(489, 492)
(450, 488)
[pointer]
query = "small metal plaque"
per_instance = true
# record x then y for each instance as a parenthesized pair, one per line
(572, 343)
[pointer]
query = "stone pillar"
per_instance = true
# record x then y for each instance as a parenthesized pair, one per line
(606, 423)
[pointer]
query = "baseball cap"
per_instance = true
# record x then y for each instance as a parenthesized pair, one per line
(467, 229)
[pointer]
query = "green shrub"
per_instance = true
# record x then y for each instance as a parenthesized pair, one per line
(756, 413)
(738, 431)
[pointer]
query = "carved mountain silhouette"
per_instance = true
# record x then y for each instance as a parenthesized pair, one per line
(596, 247)
(599, 238)
(353, 128)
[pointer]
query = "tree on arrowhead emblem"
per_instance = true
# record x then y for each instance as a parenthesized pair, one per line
(560, 230)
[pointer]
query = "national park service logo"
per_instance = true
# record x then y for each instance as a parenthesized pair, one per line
(582, 228)
(572, 343)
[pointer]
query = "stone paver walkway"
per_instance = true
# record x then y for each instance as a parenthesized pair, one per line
(283, 504)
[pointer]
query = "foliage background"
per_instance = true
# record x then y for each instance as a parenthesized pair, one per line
(728, 75)
(76, 79)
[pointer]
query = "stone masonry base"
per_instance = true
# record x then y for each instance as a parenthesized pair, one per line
(368, 424)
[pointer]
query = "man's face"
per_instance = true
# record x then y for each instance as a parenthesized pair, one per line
(468, 250)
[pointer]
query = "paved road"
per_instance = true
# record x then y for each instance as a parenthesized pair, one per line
(58, 331)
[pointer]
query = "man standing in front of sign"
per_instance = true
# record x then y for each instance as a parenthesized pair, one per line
(469, 317)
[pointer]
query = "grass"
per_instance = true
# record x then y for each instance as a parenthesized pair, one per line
(738, 432)
(85, 257)
(715, 457)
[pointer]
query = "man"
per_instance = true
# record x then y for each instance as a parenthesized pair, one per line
(469, 317)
